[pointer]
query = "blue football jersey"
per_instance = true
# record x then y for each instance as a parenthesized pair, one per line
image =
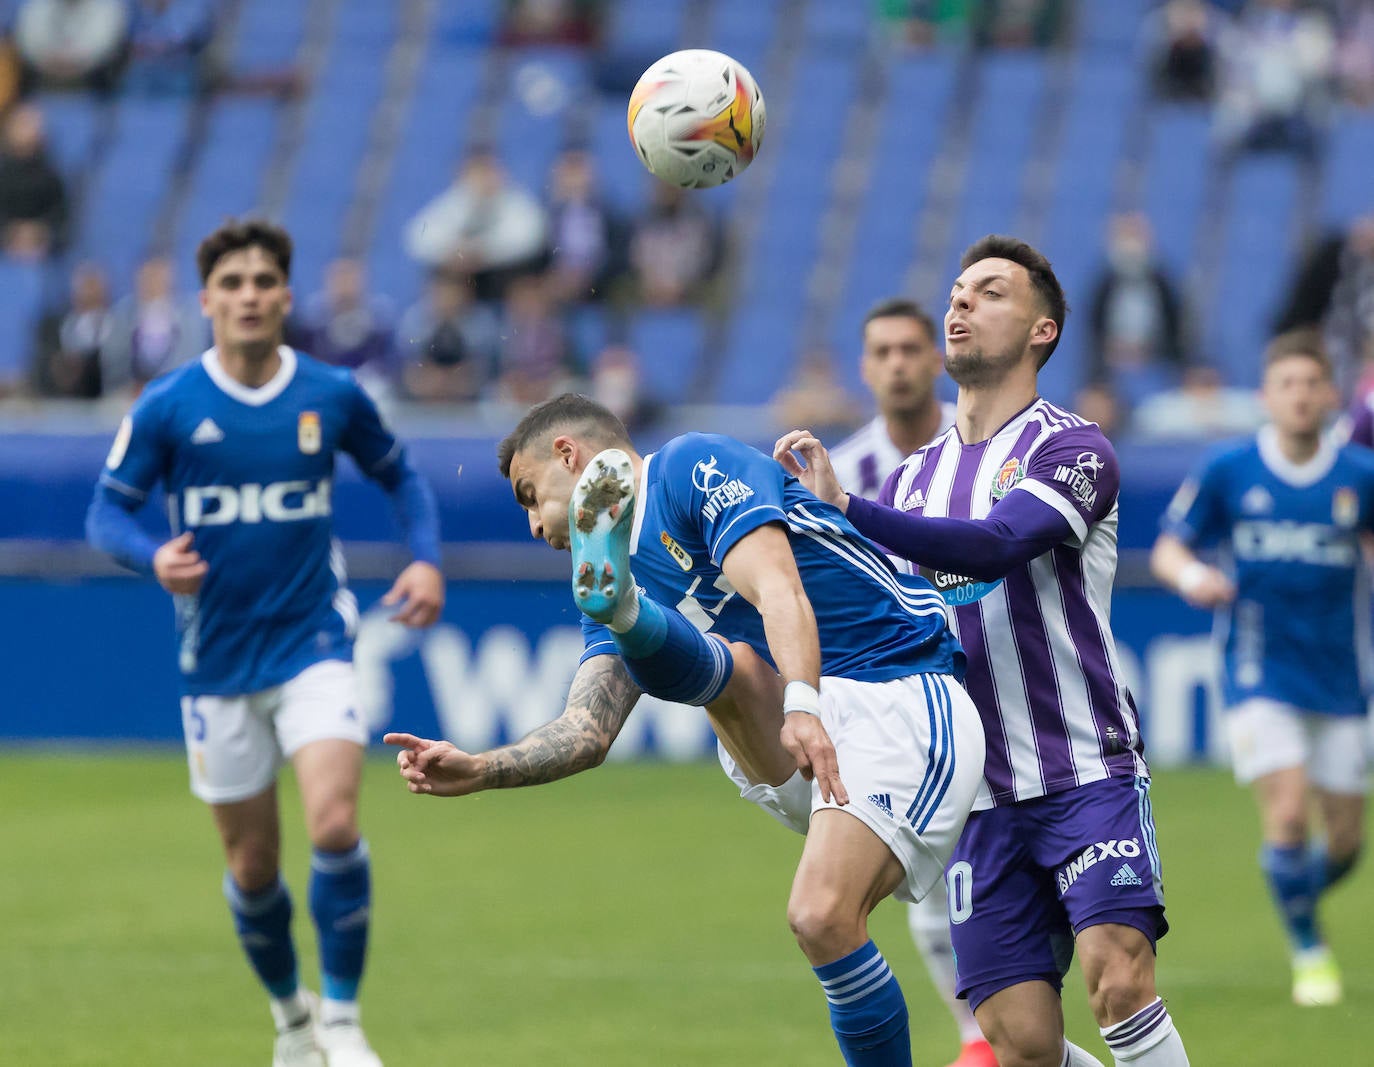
(1297, 631)
(249, 473)
(703, 492)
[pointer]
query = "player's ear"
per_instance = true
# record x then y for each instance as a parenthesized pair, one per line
(1044, 331)
(565, 448)
(205, 301)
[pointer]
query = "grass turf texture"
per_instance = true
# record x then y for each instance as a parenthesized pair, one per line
(631, 915)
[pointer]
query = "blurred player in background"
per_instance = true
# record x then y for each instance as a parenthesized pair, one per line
(1290, 507)
(1012, 512)
(900, 364)
(244, 441)
(746, 554)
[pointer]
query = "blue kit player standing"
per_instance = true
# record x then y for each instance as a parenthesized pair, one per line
(719, 532)
(244, 441)
(1289, 509)
(1013, 514)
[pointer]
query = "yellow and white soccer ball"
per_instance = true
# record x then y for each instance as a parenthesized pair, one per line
(696, 118)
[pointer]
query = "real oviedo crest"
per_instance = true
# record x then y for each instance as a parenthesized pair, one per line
(308, 432)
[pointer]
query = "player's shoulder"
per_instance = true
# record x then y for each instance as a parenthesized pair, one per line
(1358, 457)
(1064, 431)
(694, 447)
(161, 395)
(1233, 452)
(312, 371)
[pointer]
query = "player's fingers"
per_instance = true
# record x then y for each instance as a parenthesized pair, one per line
(789, 464)
(183, 540)
(405, 740)
(393, 595)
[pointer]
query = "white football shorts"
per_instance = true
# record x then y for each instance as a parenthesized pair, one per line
(911, 758)
(1267, 736)
(236, 745)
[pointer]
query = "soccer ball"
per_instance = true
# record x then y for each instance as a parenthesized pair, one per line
(696, 118)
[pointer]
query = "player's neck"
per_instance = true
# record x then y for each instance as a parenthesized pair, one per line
(1298, 448)
(909, 431)
(983, 410)
(250, 365)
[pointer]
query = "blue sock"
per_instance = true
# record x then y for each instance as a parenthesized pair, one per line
(263, 922)
(1325, 870)
(867, 1010)
(340, 899)
(1290, 881)
(671, 659)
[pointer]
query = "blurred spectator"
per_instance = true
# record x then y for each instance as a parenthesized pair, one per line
(585, 237)
(1355, 52)
(676, 247)
(1016, 23)
(1334, 291)
(1200, 408)
(1274, 91)
(151, 332)
(616, 384)
(1135, 316)
(447, 341)
(11, 71)
(1097, 403)
(348, 326)
(549, 22)
(167, 45)
(816, 400)
(480, 225)
(1182, 47)
(535, 358)
(924, 22)
(66, 43)
(33, 197)
(70, 338)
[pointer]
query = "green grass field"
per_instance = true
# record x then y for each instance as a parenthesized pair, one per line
(633, 915)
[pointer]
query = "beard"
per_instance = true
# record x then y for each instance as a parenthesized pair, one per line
(976, 369)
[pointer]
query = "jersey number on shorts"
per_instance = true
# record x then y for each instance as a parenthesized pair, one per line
(959, 879)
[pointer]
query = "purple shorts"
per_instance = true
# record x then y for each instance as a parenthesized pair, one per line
(1026, 878)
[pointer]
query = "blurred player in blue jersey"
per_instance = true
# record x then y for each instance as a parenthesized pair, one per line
(900, 364)
(1012, 512)
(870, 705)
(244, 441)
(1289, 509)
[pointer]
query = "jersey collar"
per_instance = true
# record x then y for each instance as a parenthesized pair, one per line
(1298, 475)
(262, 394)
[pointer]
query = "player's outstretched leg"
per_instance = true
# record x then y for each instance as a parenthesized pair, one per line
(928, 920)
(600, 517)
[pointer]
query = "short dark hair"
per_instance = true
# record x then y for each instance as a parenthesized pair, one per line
(571, 411)
(899, 307)
(236, 235)
(1042, 276)
(1305, 342)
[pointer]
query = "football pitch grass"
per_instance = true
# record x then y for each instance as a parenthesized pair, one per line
(631, 915)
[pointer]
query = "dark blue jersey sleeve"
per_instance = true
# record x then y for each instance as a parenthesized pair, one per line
(137, 462)
(382, 458)
(1197, 515)
(722, 488)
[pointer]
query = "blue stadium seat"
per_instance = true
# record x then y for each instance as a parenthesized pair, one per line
(644, 28)
(1348, 190)
(465, 23)
(269, 34)
(1176, 170)
(543, 87)
(73, 122)
(21, 300)
(669, 343)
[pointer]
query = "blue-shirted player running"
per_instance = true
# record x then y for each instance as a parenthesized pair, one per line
(1289, 509)
(719, 532)
(243, 441)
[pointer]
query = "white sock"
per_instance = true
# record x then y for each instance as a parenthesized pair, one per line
(1147, 1038)
(929, 924)
(1077, 1057)
(289, 1011)
(334, 1012)
(626, 612)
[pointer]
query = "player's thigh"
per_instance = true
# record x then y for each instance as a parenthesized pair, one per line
(910, 754)
(1339, 759)
(1006, 923)
(1265, 736)
(845, 868)
(231, 747)
(1097, 844)
(747, 719)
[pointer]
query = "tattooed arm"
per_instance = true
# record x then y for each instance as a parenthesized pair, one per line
(599, 701)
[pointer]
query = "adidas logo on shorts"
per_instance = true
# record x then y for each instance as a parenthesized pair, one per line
(1125, 876)
(883, 802)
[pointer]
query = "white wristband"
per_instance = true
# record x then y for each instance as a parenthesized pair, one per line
(1192, 576)
(801, 696)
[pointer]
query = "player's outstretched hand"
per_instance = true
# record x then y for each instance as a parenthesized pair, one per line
(436, 767)
(804, 736)
(818, 475)
(178, 566)
(419, 590)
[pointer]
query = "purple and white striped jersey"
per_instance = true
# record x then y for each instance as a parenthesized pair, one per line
(1042, 662)
(865, 458)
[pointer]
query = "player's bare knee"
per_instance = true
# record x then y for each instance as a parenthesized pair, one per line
(253, 867)
(825, 927)
(334, 828)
